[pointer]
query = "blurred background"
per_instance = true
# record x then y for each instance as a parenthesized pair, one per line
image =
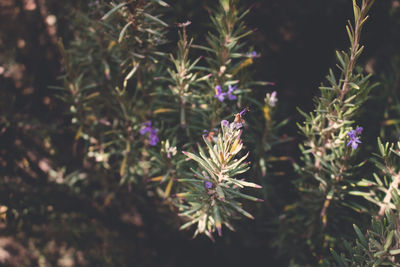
(50, 219)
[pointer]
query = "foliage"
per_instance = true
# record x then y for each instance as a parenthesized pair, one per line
(156, 125)
(379, 247)
(210, 199)
(331, 139)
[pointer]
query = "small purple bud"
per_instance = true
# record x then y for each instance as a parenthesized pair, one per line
(153, 137)
(146, 127)
(219, 94)
(359, 130)
(253, 54)
(208, 184)
(219, 229)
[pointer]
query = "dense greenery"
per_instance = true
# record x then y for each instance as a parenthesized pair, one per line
(157, 133)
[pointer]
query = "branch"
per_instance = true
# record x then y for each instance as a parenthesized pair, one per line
(388, 197)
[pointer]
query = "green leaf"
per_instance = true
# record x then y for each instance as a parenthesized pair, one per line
(240, 210)
(122, 33)
(360, 236)
(155, 19)
(355, 86)
(389, 240)
(112, 11)
(220, 192)
(394, 251)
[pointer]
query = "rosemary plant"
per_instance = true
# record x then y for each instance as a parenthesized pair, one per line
(201, 93)
(332, 138)
(108, 68)
(126, 96)
(380, 246)
(330, 135)
(211, 197)
(386, 181)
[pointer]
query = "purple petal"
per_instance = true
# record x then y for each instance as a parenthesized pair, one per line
(348, 143)
(208, 184)
(351, 134)
(146, 127)
(146, 124)
(231, 88)
(253, 54)
(354, 145)
(144, 130)
(221, 97)
(359, 130)
(232, 97)
(153, 139)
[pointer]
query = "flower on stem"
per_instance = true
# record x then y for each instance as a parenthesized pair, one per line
(354, 139)
(359, 130)
(146, 128)
(219, 94)
(153, 138)
(253, 54)
(241, 113)
(208, 184)
(239, 121)
(272, 99)
(225, 123)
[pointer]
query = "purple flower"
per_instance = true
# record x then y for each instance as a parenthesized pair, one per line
(354, 140)
(225, 123)
(359, 130)
(231, 96)
(219, 94)
(146, 128)
(253, 54)
(208, 184)
(153, 138)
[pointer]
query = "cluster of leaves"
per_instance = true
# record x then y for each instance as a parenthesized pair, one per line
(105, 55)
(210, 198)
(328, 169)
(139, 111)
(122, 87)
(379, 247)
(386, 182)
(328, 130)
